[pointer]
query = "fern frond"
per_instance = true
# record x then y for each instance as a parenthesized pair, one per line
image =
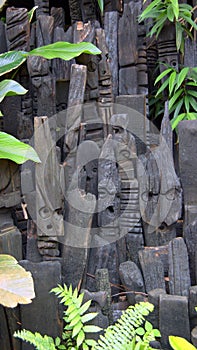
(40, 342)
(123, 331)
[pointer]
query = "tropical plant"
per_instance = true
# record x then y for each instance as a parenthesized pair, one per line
(179, 343)
(172, 11)
(181, 88)
(76, 327)
(16, 284)
(101, 5)
(130, 325)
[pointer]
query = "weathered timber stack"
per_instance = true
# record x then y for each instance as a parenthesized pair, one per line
(104, 206)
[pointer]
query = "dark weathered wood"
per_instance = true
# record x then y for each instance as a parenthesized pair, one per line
(13, 319)
(5, 341)
(127, 35)
(88, 10)
(153, 298)
(171, 308)
(152, 268)
(59, 17)
(48, 188)
(44, 30)
(3, 43)
(166, 43)
(192, 306)
(9, 184)
(11, 241)
(46, 275)
(188, 166)
(128, 84)
(80, 210)
(179, 277)
(142, 76)
(102, 284)
(166, 129)
(131, 278)
(194, 336)
(134, 243)
(190, 236)
(75, 10)
(10, 108)
(190, 57)
(111, 32)
(43, 7)
(44, 87)
(18, 28)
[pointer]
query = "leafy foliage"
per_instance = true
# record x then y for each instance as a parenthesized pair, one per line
(15, 150)
(16, 284)
(178, 343)
(101, 5)
(172, 11)
(9, 88)
(75, 317)
(61, 49)
(120, 335)
(40, 342)
(182, 93)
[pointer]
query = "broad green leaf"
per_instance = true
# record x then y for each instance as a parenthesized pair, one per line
(191, 116)
(87, 317)
(170, 13)
(92, 329)
(80, 338)
(179, 343)
(162, 87)
(176, 108)
(175, 121)
(16, 284)
(10, 88)
(163, 74)
(189, 20)
(75, 320)
(11, 60)
(175, 6)
(172, 82)
(90, 342)
(185, 7)
(72, 315)
(31, 13)
(85, 346)
(156, 333)
(174, 98)
(64, 50)
(101, 5)
(181, 76)
(15, 150)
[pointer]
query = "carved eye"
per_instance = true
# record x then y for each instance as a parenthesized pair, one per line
(44, 212)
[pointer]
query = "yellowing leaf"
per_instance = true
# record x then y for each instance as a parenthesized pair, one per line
(16, 284)
(179, 343)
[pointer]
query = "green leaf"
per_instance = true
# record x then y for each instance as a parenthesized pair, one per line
(140, 331)
(75, 320)
(101, 5)
(15, 150)
(148, 10)
(85, 307)
(11, 60)
(177, 108)
(192, 92)
(179, 35)
(170, 13)
(181, 76)
(193, 103)
(174, 98)
(16, 284)
(156, 333)
(87, 317)
(85, 346)
(162, 87)
(172, 82)
(186, 102)
(72, 315)
(80, 338)
(10, 88)
(189, 20)
(175, 121)
(64, 50)
(77, 329)
(191, 116)
(90, 342)
(179, 343)
(162, 75)
(31, 13)
(57, 341)
(148, 326)
(175, 6)
(92, 329)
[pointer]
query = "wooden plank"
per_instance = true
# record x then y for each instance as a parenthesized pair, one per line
(3, 43)
(17, 28)
(9, 184)
(179, 276)
(111, 30)
(131, 278)
(190, 236)
(43, 7)
(152, 268)
(128, 81)
(48, 189)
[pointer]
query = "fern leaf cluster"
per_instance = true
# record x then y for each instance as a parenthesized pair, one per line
(119, 335)
(76, 318)
(40, 342)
